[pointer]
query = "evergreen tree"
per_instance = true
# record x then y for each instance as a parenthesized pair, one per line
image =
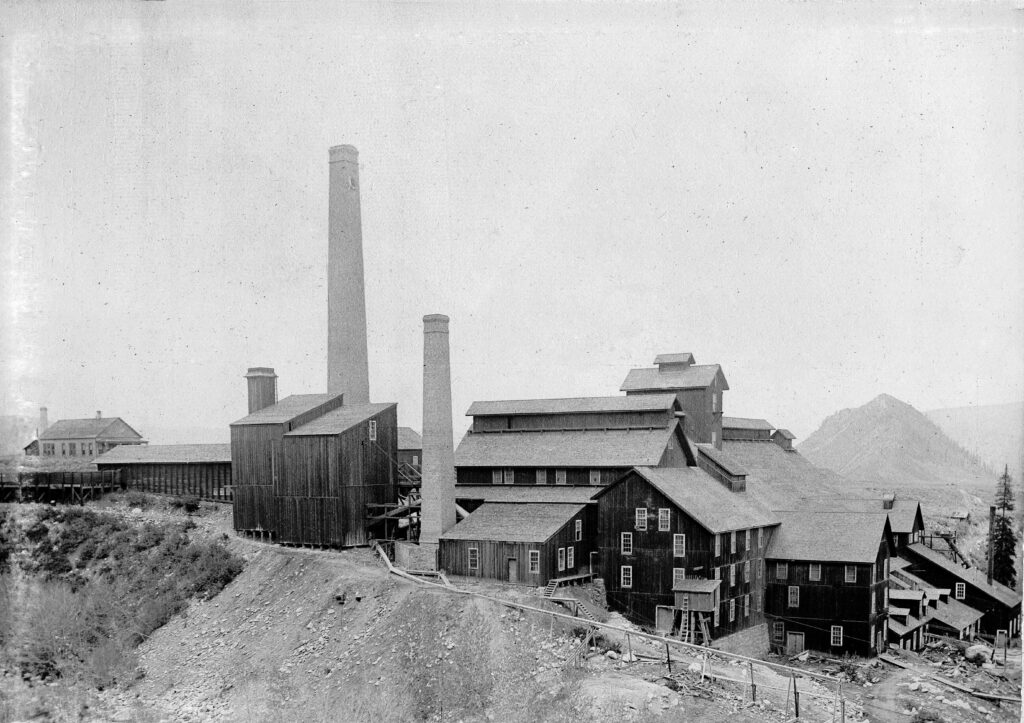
(1004, 538)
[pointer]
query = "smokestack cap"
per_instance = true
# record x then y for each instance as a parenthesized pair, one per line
(99, 414)
(343, 153)
(260, 372)
(435, 323)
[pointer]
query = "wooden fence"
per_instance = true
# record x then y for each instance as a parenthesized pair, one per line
(65, 487)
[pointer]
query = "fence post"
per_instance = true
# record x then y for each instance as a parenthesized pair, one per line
(629, 648)
(753, 687)
(796, 698)
(668, 659)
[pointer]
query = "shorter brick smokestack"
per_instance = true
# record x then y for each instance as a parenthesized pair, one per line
(262, 388)
(99, 414)
(438, 486)
(44, 420)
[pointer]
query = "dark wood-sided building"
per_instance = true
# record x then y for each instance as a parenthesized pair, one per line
(828, 582)
(660, 526)
(202, 470)
(525, 543)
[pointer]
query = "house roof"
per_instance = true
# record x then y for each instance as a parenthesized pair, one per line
(745, 423)
(339, 420)
(696, 585)
(574, 405)
(901, 516)
(705, 499)
(287, 409)
(681, 358)
(84, 428)
(698, 376)
(784, 433)
(902, 612)
(974, 577)
(166, 454)
(906, 594)
(828, 536)
(570, 448)
(525, 493)
(722, 459)
(780, 479)
(513, 522)
(409, 438)
(956, 614)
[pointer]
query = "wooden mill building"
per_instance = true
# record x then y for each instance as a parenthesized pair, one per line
(203, 470)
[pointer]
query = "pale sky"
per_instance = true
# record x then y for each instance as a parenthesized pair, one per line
(825, 199)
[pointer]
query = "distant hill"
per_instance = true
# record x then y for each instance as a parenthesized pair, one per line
(993, 433)
(15, 433)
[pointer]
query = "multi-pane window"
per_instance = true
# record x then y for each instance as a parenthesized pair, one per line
(561, 559)
(474, 558)
(570, 556)
(626, 543)
(837, 635)
(63, 449)
(664, 519)
(850, 574)
(757, 603)
(373, 430)
(71, 449)
(559, 476)
(510, 476)
(579, 530)
(778, 631)
(794, 596)
(595, 476)
(885, 595)
(746, 606)
(961, 591)
(732, 575)
(542, 476)
(678, 575)
(640, 517)
(746, 571)
(678, 545)
(815, 571)
(534, 560)
(732, 610)
(495, 476)
(781, 570)
(718, 545)
(746, 540)
(760, 537)
(626, 576)
(718, 573)
(732, 542)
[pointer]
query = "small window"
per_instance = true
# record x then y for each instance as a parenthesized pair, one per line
(732, 575)
(415, 460)
(579, 530)
(71, 448)
(474, 558)
(718, 573)
(732, 610)
(837, 635)
(561, 559)
(778, 632)
(678, 545)
(794, 596)
(718, 545)
(746, 606)
(714, 401)
(373, 430)
(640, 518)
(510, 476)
(535, 561)
(495, 476)
(664, 519)
(732, 542)
(760, 537)
(746, 540)
(781, 571)
(961, 591)
(542, 477)
(85, 448)
(678, 575)
(746, 571)
(626, 576)
(885, 596)
(570, 556)
(815, 571)
(851, 573)
(63, 449)
(559, 476)
(886, 567)
(595, 476)
(626, 543)
(757, 603)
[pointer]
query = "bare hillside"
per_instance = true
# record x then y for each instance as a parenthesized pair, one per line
(993, 433)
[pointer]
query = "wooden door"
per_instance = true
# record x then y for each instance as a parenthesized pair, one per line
(794, 643)
(513, 569)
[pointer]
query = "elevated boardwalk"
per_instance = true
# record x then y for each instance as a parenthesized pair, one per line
(64, 487)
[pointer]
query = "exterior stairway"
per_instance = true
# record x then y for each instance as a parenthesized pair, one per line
(550, 589)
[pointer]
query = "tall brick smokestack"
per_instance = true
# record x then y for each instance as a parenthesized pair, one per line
(347, 365)
(438, 469)
(44, 420)
(262, 388)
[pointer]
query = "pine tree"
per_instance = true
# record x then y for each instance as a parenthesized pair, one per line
(1004, 538)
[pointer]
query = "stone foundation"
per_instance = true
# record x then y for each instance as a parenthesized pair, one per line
(409, 556)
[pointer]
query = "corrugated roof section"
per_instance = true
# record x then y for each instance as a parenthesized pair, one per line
(574, 405)
(652, 378)
(409, 439)
(852, 537)
(339, 420)
(166, 454)
(746, 423)
(287, 409)
(511, 522)
(973, 576)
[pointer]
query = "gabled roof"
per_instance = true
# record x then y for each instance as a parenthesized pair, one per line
(652, 378)
(829, 536)
(339, 420)
(723, 460)
(525, 493)
(571, 448)
(901, 516)
(681, 358)
(974, 577)
(287, 409)
(409, 439)
(166, 454)
(780, 479)
(956, 614)
(512, 522)
(703, 498)
(745, 423)
(696, 585)
(906, 594)
(85, 428)
(785, 433)
(574, 405)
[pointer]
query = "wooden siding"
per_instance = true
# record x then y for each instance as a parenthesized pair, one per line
(527, 476)
(748, 435)
(700, 421)
(653, 562)
(208, 480)
(255, 451)
(598, 420)
(253, 508)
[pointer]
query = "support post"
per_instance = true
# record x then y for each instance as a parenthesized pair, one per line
(668, 659)
(796, 698)
(629, 648)
(753, 686)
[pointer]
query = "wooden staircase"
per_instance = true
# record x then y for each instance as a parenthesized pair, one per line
(551, 587)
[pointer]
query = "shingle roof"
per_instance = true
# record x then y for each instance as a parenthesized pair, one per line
(745, 423)
(906, 594)
(526, 493)
(652, 378)
(681, 358)
(287, 409)
(975, 577)
(828, 536)
(81, 428)
(901, 516)
(409, 438)
(696, 585)
(572, 448)
(704, 498)
(511, 522)
(956, 614)
(166, 454)
(574, 405)
(780, 479)
(339, 420)
(722, 459)
(784, 433)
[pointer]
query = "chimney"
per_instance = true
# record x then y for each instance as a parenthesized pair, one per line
(99, 414)
(44, 421)
(888, 500)
(438, 467)
(347, 365)
(262, 388)
(668, 363)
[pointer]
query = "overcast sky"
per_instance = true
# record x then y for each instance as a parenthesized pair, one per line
(825, 199)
